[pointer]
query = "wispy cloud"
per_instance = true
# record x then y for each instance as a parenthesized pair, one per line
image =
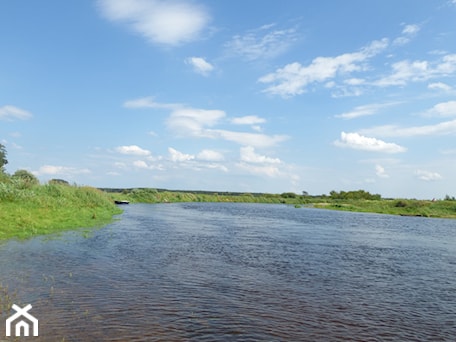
(440, 86)
(360, 142)
(443, 109)
(442, 128)
(406, 71)
(60, 170)
(210, 155)
(200, 65)
(163, 22)
(380, 171)
(365, 110)
(149, 102)
(249, 155)
(202, 123)
(133, 150)
(428, 175)
(293, 78)
(408, 33)
(248, 120)
(264, 42)
(9, 113)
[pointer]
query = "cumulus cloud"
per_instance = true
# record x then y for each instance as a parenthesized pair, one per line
(177, 156)
(132, 150)
(248, 155)
(59, 170)
(200, 65)
(428, 175)
(162, 22)
(360, 142)
(264, 42)
(9, 113)
(293, 78)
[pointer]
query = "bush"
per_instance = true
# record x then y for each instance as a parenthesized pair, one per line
(26, 178)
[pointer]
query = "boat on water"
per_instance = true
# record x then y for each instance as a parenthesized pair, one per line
(121, 202)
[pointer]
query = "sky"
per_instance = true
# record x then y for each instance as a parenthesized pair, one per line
(250, 96)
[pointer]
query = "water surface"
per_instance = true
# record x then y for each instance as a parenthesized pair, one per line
(247, 272)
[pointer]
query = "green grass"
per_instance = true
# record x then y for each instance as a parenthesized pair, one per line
(26, 211)
(406, 207)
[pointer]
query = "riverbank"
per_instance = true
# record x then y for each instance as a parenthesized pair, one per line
(369, 203)
(30, 210)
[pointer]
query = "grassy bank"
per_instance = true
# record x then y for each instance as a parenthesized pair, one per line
(404, 207)
(367, 202)
(28, 210)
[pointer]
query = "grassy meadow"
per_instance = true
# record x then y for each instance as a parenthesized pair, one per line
(28, 209)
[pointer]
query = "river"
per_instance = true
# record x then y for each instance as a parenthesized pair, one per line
(239, 272)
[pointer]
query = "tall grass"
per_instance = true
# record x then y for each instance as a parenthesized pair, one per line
(27, 210)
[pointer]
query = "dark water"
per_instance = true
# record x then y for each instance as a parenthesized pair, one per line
(240, 272)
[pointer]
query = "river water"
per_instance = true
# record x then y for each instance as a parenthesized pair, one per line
(239, 272)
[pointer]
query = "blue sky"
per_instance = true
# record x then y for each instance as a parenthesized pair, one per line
(252, 96)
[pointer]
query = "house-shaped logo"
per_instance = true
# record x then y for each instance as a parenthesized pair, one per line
(22, 325)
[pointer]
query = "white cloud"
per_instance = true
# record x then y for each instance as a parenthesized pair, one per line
(248, 155)
(198, 123)
(380, 171)
(200, 65)
(262, 170)
(293, 79)
(360, 142)
(148, 102)
(442, 128)
(159, 21)
(193, 122)
(177, 156)
(132, 150)
(140, 164)
(408, 33)
(406, 71)
(9, 113)
(251, 139)
(364, 110)
(59, 170)
(443, 109)
(440, 86)
(427, 175)
(262, 42)
(248, 120)
(210, 155)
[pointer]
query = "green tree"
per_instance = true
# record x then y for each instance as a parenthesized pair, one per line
(3, 160)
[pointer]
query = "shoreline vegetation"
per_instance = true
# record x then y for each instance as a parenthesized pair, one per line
(357, 201)
(28, 208)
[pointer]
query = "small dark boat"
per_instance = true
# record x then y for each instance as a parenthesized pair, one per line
(121, 202)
